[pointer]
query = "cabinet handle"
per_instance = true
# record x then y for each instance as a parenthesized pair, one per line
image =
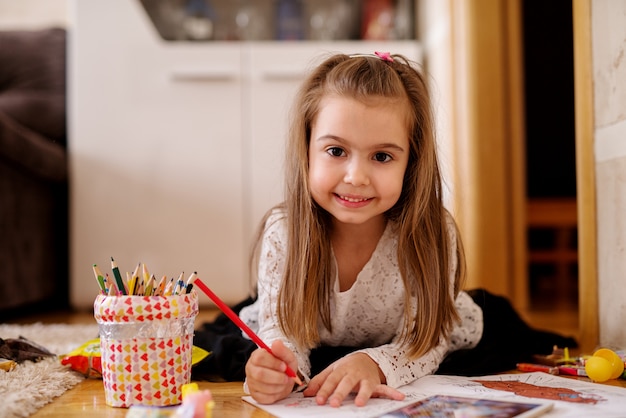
(278, 75)
(201, 76)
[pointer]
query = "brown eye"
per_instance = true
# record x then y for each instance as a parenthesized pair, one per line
(382, 157)
(335, 151)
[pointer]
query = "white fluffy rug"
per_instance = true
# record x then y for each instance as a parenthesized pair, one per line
(30, 386)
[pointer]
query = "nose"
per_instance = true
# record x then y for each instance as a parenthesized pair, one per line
(357, 173)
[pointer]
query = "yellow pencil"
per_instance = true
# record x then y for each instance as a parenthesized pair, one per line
(168, 288)
(150, 286)
(131, 283)
(146, 273)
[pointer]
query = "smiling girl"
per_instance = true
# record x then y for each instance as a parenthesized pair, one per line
(360, 270)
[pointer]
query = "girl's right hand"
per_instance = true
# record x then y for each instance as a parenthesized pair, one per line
(265, 373)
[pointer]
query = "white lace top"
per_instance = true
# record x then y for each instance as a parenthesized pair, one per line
(369, 314)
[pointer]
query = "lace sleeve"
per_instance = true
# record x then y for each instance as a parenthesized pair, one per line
(270, 275)
(400, 370)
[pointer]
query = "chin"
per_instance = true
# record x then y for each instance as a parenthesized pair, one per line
(355, 219)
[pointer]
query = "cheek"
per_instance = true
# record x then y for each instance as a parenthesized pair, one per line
(313, 177)
(395, 191)
(319, 173)
(317, 189)
(317, 179)
(393, 184)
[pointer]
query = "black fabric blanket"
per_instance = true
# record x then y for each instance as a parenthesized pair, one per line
(506, 341)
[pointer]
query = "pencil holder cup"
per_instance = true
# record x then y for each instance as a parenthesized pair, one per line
(146, 345)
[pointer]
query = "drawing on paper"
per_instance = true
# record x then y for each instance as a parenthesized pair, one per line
(542, 392)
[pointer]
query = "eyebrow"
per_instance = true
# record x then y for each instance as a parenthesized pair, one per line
(384, 145)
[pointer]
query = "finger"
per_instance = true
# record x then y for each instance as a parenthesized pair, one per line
(263, 390)
(366, 389)
(263, 359)
(335, 389)
(266, 398)
(264, 369)
(345, 387)
(267, 376)
(280, 351)
(316, 382)
(325, 384)
(384, 391)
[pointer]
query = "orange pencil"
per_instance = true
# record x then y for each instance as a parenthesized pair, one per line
(161, 287)
(113, 291)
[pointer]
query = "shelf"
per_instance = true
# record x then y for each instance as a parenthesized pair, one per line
(552, 213)
(280, 20)
(552, 251)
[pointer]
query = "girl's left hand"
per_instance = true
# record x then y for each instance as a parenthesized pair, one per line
(353, 373)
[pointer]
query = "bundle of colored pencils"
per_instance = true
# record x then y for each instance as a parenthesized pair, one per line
(140, 282)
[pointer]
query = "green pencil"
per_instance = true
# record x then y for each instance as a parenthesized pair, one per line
(99, 278)
(118, 277)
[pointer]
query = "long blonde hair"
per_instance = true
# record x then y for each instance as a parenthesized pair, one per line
(423, 242)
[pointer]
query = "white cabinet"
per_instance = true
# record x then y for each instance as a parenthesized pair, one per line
(176, 148)
(155, 152)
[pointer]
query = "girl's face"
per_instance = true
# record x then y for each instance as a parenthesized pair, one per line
(357, 157)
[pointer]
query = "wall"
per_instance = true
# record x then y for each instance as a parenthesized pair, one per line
(609, 62)
(434, 25)
(609, 73)
(33, 14)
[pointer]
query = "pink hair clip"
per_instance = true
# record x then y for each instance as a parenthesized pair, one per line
(385, 56)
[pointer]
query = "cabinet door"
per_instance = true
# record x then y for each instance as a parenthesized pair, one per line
(276, 70)
(275, 73)
(155, 148)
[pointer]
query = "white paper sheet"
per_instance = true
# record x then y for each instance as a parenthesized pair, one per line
(577, 398)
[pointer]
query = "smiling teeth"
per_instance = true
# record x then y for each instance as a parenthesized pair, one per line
(353, 200)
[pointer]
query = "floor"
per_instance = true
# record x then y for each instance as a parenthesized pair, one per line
(563, 319)
(86, 317)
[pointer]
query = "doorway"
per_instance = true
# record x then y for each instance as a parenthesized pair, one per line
(550, 156)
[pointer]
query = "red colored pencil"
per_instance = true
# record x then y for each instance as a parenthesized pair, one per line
(233, 317)
(528, 367)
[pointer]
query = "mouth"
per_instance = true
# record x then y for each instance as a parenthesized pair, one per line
(352, 199)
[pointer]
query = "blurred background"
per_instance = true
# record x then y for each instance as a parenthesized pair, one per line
(151, 131)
